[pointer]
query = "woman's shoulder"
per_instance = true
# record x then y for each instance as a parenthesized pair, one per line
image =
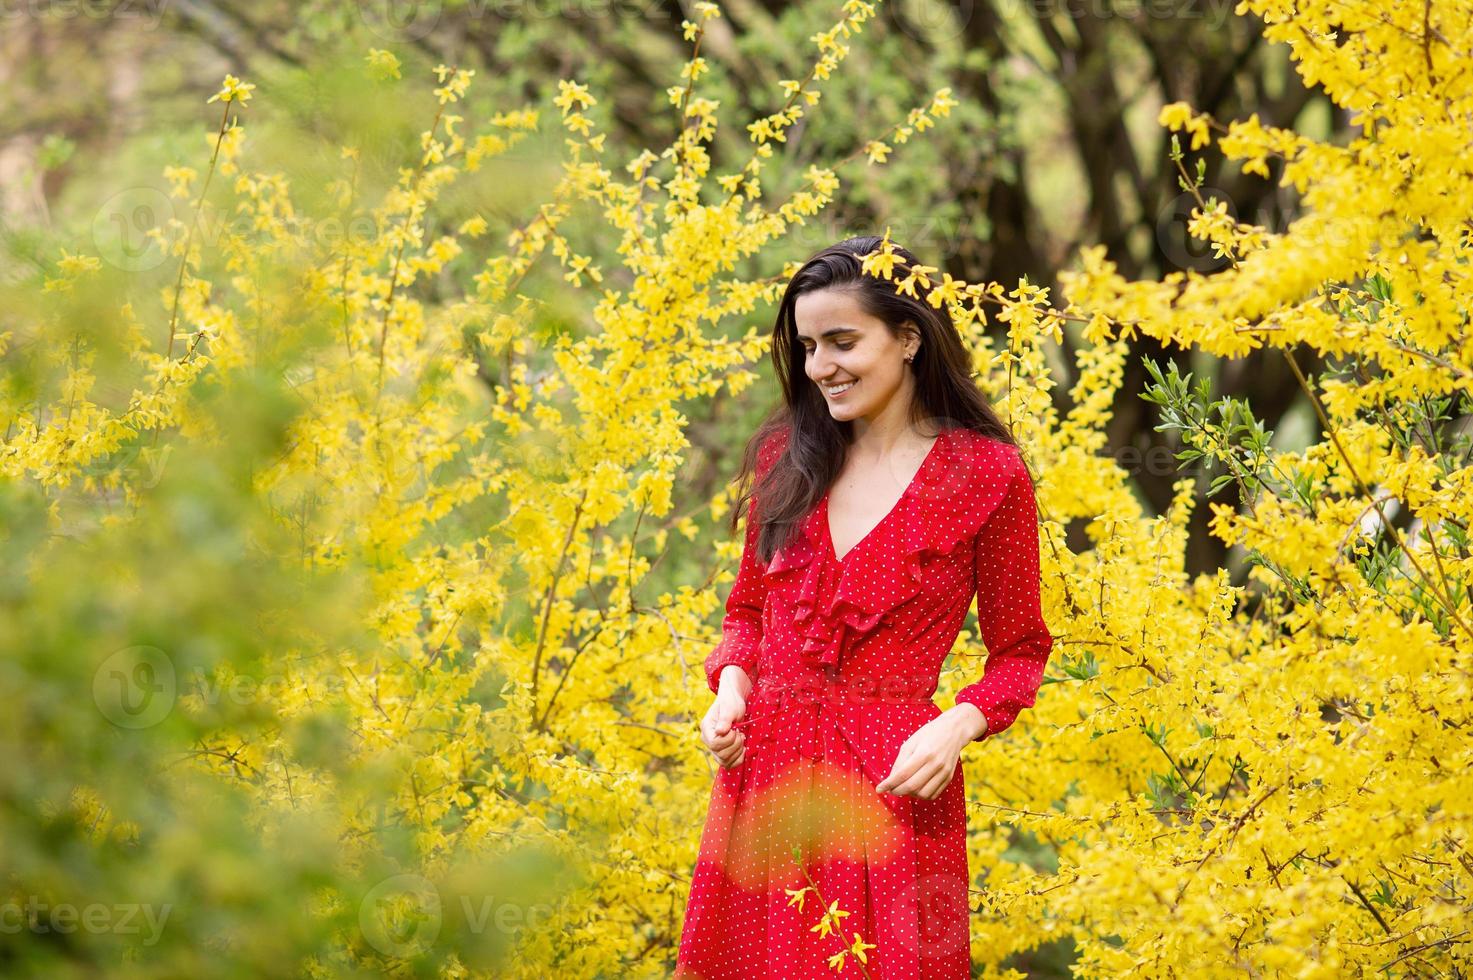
(981, 456)
(977, 474)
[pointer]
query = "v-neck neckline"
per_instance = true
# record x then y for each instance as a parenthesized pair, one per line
(823, 516)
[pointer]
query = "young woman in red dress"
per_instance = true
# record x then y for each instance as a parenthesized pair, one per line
(888, 494)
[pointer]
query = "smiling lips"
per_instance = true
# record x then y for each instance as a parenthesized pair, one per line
(836, 391)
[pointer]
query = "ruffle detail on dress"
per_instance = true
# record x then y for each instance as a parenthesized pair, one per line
(953, 494)
(823, 639)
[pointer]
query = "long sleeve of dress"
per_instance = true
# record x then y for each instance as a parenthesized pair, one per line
(741, 629)
(1009, 613)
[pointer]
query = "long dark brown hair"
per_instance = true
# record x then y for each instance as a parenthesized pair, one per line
(816, 443)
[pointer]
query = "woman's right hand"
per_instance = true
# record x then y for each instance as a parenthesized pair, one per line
(727, 744)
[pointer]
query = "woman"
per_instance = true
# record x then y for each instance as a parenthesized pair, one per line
(887, 495)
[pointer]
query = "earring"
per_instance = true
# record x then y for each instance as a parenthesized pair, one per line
(908, 358)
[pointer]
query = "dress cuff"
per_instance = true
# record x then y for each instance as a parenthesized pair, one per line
(724, 654)
(998, 717)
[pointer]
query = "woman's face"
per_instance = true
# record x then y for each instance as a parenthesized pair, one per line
(843, 345)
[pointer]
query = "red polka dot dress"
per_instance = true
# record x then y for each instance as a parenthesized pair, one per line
(845, 653)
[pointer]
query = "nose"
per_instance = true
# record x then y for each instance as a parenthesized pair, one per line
(817, 367)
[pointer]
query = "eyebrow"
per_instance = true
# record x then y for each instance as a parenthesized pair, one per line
(830, 332)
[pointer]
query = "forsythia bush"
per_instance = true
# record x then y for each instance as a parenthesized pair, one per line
(324, 557)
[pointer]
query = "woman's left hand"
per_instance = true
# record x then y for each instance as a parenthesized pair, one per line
(927, 760)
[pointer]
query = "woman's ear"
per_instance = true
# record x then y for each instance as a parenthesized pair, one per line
(913, 341)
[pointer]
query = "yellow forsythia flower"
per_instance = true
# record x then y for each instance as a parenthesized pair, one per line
(232, 90)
